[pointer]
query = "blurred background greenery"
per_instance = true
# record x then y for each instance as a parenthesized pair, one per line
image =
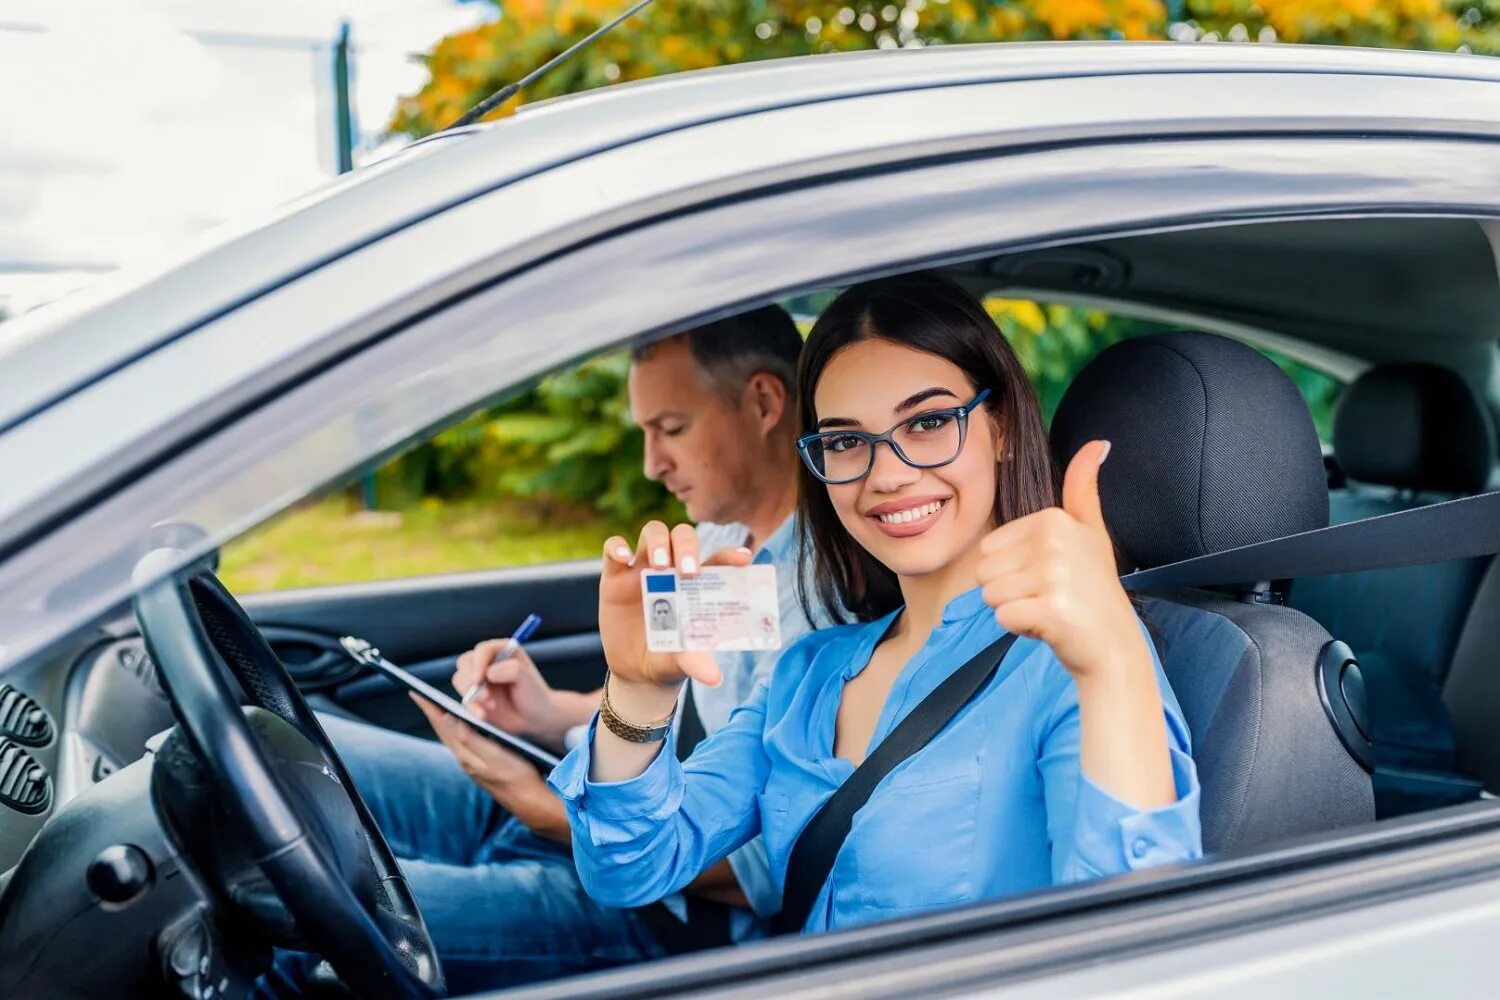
(549, 473)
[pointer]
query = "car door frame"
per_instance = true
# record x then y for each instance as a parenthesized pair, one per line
(1084, 934)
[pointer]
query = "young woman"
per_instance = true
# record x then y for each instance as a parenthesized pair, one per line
(929, 505)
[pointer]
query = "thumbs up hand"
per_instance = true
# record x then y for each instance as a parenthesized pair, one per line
(1051, 575)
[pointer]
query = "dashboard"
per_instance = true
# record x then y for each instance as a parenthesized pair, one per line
(69, 722)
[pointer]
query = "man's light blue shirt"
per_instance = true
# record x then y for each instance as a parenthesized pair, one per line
(996, 804)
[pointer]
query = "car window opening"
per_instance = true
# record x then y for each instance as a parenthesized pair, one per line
(1215, 442)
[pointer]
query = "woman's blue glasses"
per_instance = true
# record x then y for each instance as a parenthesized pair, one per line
(928, 440)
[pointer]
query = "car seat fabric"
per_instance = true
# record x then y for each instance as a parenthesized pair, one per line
(1213, 448)
(1269, 762)
(1414, 427)
(1405, 436)
(1472, 693)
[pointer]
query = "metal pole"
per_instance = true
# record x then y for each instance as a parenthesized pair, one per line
(342, 106)
(343, 131)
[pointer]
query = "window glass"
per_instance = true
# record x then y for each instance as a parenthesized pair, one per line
(545, 476)
(548, 474)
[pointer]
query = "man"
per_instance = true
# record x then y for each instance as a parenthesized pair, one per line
(483, 845)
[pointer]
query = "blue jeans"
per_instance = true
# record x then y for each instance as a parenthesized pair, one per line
(504, 906)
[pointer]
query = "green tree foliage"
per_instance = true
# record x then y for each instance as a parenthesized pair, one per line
(579, 444)
(675, 35)
(568, 439)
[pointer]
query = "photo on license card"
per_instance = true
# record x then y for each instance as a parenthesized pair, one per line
(720, 608)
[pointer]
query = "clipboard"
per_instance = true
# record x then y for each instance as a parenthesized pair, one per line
(368, 656)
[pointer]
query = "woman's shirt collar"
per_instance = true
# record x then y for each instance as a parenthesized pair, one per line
(964, 606)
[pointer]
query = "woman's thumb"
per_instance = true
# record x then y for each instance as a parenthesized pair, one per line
(1080, 491)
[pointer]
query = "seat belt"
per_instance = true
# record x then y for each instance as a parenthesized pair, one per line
(1466, 528)
(690, 731)
(819, 842)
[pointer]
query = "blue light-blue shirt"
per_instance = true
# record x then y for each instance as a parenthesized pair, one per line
(995, 804)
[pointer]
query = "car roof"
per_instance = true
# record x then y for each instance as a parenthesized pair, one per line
(1346, 291)
(61, 348)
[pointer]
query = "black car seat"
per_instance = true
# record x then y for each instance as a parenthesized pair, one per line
(1472, 690)
(1404, 436)
(1214, 448)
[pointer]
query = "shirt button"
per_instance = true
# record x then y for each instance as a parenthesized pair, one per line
(1141, 846)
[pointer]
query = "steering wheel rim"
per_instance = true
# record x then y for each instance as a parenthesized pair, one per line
(201, 640)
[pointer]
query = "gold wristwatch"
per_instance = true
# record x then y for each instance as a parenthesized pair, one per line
(629, 731)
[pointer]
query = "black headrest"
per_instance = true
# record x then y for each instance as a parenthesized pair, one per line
(1212, 446)
(1415, 426)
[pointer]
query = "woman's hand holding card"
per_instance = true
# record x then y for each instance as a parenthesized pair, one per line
(622, 615)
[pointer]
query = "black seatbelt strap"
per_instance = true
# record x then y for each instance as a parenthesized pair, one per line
(819, 843)
(1457, 529)
(690, 731)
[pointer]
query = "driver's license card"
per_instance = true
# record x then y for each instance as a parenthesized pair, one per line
(719, 608)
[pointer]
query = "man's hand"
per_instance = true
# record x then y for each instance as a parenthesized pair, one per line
(516, 697)
(507, 776)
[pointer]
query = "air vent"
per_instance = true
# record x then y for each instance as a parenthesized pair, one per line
(22, 719)
(24, 784)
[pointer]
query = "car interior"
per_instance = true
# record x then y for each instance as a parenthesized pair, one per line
(1315, 704)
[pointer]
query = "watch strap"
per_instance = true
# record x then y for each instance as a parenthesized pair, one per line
(628, 731)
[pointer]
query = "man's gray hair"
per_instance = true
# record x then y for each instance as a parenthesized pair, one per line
(729, 351)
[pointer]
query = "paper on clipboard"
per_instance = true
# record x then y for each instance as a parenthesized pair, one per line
(367, 655)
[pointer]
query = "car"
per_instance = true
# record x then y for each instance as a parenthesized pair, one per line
(1339, 206)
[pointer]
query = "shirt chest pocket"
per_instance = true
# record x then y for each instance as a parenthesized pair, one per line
(914, 841)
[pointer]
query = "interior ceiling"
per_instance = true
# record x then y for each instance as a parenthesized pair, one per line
(1377, 290)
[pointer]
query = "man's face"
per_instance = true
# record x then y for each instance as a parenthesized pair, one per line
(702, 447)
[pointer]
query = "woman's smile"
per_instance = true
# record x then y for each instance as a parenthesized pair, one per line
(908, 517)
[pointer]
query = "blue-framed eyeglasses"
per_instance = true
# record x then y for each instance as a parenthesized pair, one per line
(927, 440)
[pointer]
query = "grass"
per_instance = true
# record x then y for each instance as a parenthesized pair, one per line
(333, 541)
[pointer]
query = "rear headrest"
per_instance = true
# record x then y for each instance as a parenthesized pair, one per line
(1213, 447)
(1414, 426)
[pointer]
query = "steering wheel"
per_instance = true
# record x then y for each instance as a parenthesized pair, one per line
(297, 818)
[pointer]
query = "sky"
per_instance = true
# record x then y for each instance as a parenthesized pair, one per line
(130, 126)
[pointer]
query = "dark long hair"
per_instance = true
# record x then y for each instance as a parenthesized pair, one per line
(931, 314)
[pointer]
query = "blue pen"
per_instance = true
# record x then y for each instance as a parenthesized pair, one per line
(523, 632)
